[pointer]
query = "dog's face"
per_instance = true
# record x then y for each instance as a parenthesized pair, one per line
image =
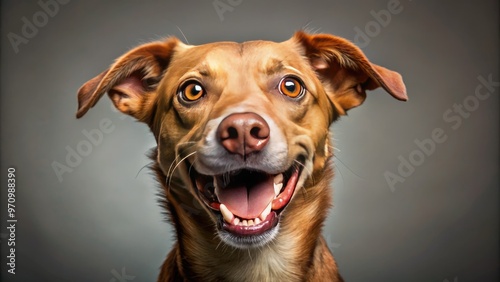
(245, 127)
(248, 120)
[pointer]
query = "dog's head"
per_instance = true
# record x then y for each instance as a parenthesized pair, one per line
(245, 126)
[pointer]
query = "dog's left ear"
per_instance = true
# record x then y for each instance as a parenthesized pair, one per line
(345, 71)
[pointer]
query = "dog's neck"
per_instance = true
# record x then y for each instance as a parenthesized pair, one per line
(292, 256)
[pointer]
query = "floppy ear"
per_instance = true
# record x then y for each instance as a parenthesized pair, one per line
(345, 71)
(131, 81)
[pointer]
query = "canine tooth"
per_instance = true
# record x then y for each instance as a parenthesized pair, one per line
(226, 213)
(257, 221)
(277, 188)
(278, 178)
(250, 222)
(266, 212)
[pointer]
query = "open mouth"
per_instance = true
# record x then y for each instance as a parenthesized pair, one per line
(247, 202)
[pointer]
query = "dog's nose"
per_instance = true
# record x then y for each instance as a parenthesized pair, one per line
(243, 133)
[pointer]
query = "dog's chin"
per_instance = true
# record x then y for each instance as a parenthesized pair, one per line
(246, 242)
(246, 203)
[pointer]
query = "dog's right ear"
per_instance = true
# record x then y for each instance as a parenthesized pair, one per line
(131, 81)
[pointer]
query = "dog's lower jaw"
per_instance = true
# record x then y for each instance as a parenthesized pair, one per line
(249, 242)
(293, 255)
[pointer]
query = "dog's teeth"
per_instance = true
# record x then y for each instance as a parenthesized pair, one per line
(256, 221)
(266, 212)
(236, 221)
(226, 213)
(278, 178)
(244, 222)
(277, 188)
(250, 222)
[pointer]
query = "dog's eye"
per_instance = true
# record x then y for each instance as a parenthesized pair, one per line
(291, 87)
(191, 91)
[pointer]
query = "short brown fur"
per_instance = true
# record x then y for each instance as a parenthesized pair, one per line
(144, 83)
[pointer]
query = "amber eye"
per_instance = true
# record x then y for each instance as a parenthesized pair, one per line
(191, 91)
(291, 87)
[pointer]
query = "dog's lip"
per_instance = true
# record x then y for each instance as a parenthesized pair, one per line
(270, 221)
(205, 187)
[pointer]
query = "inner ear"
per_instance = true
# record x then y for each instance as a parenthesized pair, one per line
(345, 71)
(345, 87)
(319, 63)
(128, 94)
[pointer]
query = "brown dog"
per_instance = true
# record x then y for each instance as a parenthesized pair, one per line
(243, 147)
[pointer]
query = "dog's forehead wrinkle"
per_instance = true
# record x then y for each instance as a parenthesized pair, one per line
(272, 66)
(205, 69)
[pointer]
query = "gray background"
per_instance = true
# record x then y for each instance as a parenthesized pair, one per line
(102, 220)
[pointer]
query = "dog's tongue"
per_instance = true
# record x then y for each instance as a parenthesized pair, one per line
(247, 194)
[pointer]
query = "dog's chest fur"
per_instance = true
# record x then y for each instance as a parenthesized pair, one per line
(267, 264)
(270, 263)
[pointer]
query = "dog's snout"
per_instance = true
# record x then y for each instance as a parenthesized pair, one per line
(243, 133)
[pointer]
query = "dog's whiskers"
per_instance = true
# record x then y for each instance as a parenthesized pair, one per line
(143, 167)
(347, 168)
(220, 241)
(178, 164)
(249, 254)
(185, 38)
(334, 148)
(170, 170)
(299, 164)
